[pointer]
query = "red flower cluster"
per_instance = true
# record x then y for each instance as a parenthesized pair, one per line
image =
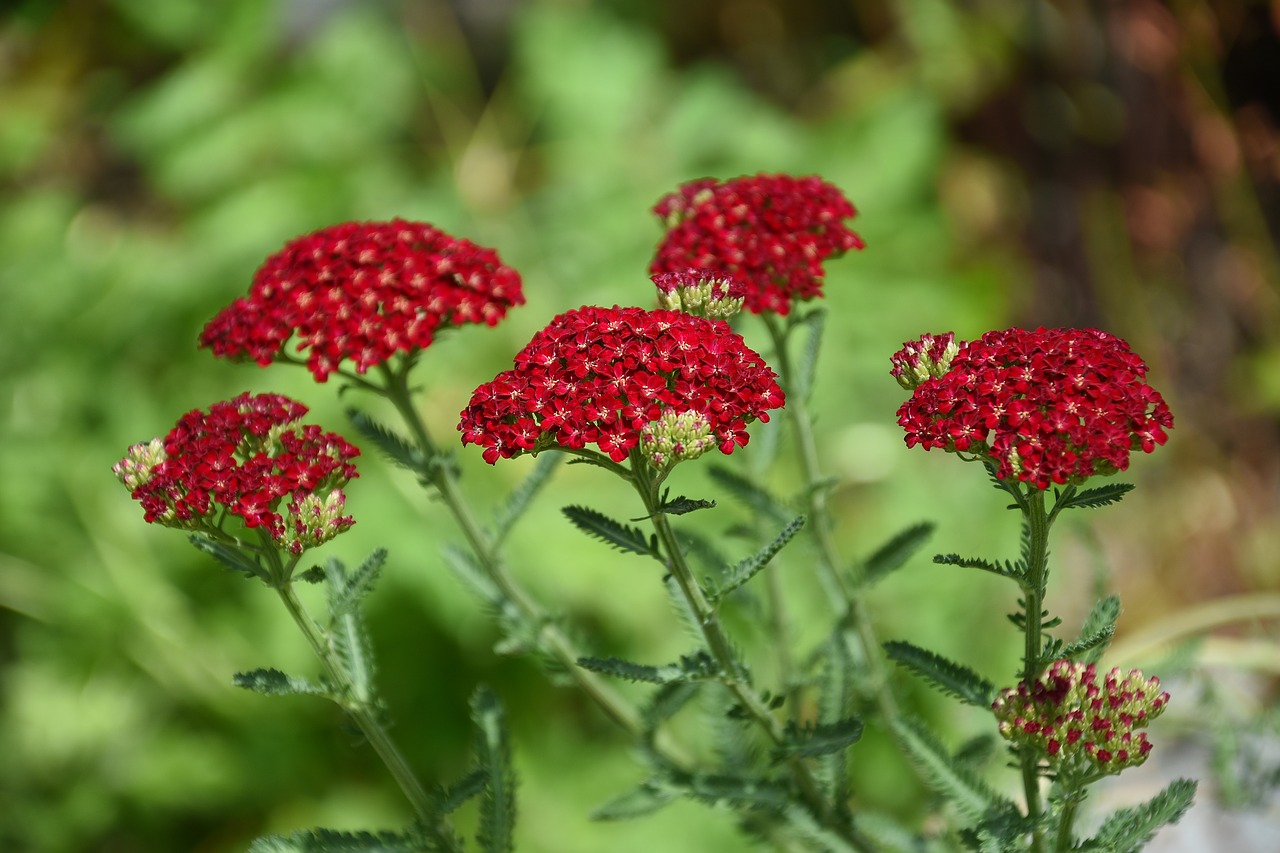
(244, 457)
(1066, 714)
(772, 231)
(363, 291)
(1049, 406)
(599, 375)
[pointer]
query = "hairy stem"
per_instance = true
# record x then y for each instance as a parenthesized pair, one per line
(1033, 589)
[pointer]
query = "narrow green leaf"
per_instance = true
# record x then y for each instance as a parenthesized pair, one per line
(738, 792)
(393, 446)
(349, 640)
(357, 585)
(273, 682)
(698, 666)
(493, 755)
(836, 697)
(609, 531)
(683, 506)
(231, 559)
(949, 677)
(638, 802)
(953, 780)
(1096, 632)
(468, 570)
(1093, 498)
(802, 824)
(815, 320)
(449, 800)
(808, 741)
(667, 701)
(1006, 569)
(755, 498)
(750, 567)
(520, 498)
(895, 553)
(334, 841)
(1130, 829)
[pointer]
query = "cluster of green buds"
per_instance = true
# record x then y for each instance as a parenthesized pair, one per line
(921, 360)
(1080, 726)
(700, 293)
(676, 437)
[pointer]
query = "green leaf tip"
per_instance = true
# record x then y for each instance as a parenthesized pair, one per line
(811, 740)
(753, 565)
(894, 554)
(1128, 830)
(948, 676)
(1094, 498)
(611, 532)
(334, 841)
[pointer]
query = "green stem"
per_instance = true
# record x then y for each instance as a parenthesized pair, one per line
(1033, 590)
(364, 716)
(849, 606)
(708, 621)
(1065, 840)
(551, 638)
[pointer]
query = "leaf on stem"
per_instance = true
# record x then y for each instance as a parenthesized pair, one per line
(448, 800)
(698, 666)
(335, 841)
(1093, 498)
(612, 532)
(646, 799)
(1129, 829)
(750, 567)
(952, 779)
(895, 553)
(273, 682)
(681, 506)
(394, 447)
(815, 320)
(666, 702)
(756, 498)
(349, 641)
(354, 588)
(520, 498)
(493, 755)
(808, 741)
(1096, 633)
(1006, 569)
(231, 559)
(948, 676)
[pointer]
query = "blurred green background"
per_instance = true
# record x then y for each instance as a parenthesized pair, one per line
(1033, 163)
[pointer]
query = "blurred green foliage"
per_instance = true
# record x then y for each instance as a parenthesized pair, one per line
(152, 154)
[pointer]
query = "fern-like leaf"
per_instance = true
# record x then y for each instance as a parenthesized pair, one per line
(1128, 830)
(465, 567)
(750, 567)
(643, 800)
(356, 586)
(1005, 569)
(808, 741)
(1093, 498)
(334, 841)
(699, 666)
(895, 553)
(682, 505)
(611, 532)
(273, 682)
(950, 778)
(231, 559)
(394, 447)
(493, 755)
(946, 675)
(350, 642)
(448, 800)
(815, 320)
(1096, 632)
(756, 498)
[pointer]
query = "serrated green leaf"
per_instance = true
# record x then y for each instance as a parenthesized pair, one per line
(493, 756)
(667, 701)
(946, 675)
(1093, 498)
(950, 778)
(468, 570)
(231, 559)
(357, 585)
(756, 498)
(349, 641)
(394, 447)
(808, 741)
(1006, 569)
(698, 666)
(682, 506)
(1127, 830)
(750, 567)
(836, 698)
(1096, 632)
(638, 802)
(520, 498)
(273, 682)
(895, 553)
(734, 791)
(815, 320)
(334, 841)
(611, 532)
(449, 800)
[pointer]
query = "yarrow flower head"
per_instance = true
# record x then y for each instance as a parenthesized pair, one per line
(250, 458)
(700, 293)
(1047, 406)
(605, 376)
(1079, 724)
(772, 231)
(362, 292)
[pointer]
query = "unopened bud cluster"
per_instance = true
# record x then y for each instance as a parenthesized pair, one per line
(1070, 719)
(676, 437)
(700, 293)
(924, 359)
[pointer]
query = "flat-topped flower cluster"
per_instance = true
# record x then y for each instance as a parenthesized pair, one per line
(1048, 406)
(1067, 714)
(598, 376)
(248, 457)
(362, 292)
(773, 232)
